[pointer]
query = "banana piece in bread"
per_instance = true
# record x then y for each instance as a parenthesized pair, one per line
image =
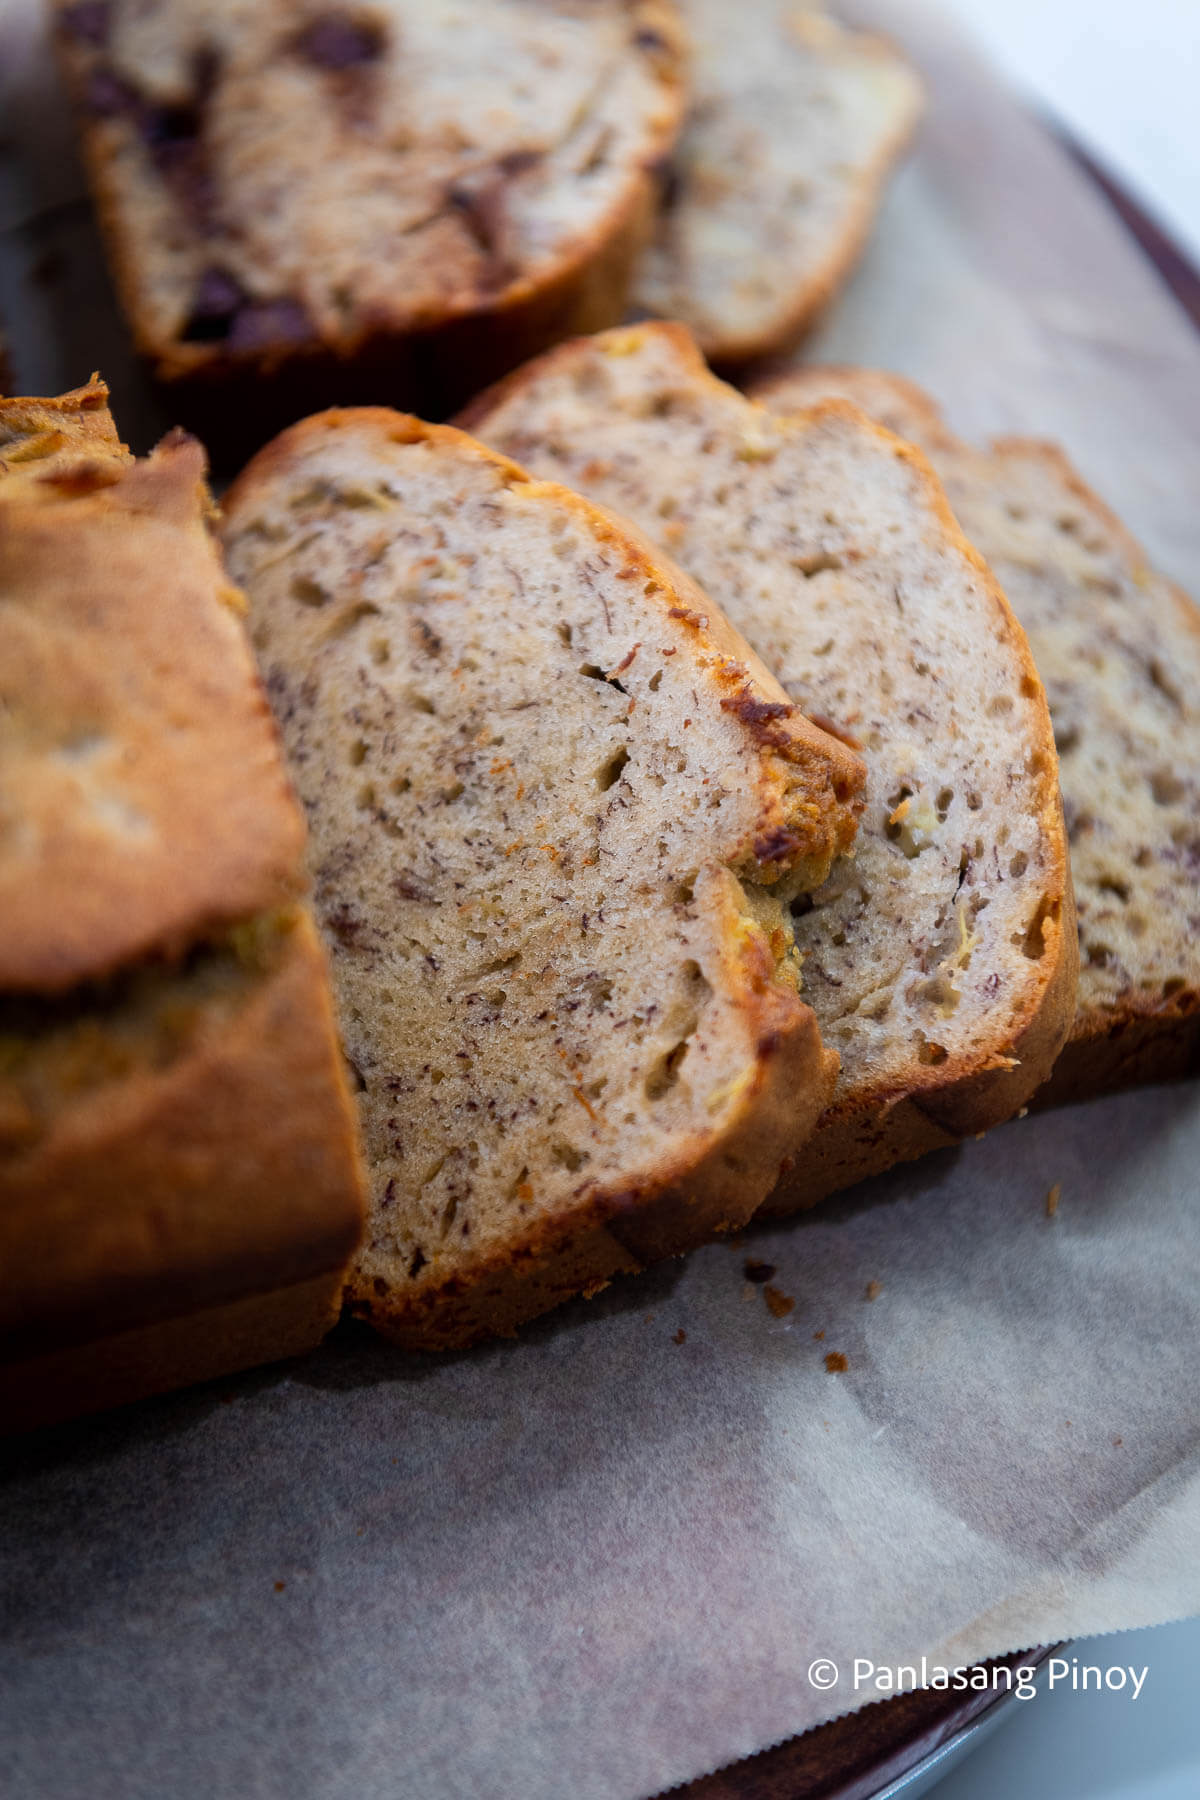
(794, 125)
(557, 811)
(941, 959)
(179, 1182)
(399, 199)
(1118, 648)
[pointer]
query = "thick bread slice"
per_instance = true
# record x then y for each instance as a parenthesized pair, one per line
(793, 127)
(179, 1183)
(401, 199)
(1118, 648)
(556, 810)
(941, 960)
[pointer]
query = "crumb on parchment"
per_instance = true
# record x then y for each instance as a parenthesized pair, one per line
(779, 1304)
(680, 1336)
(1052, 1199)
(836, 1363)
(874, 1289)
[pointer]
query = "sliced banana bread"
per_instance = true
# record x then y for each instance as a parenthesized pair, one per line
(1118, 648)
(941, 959)
(557, 811)
(794, 125)
(394, 200)
(179, 1186)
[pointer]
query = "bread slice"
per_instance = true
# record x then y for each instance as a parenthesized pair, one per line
(395, 200)
(179, 1184)
(1118, 648)
(794, 125)
(556, 810)
(940, 961)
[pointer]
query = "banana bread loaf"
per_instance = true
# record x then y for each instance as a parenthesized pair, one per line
(179, 1186)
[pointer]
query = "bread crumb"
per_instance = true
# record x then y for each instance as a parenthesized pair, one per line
(779, 1304)
(874, 1289)
(817, 1336)
(649, 1318)
(759, 1271)
(680, 1336)
(1024, 1113)
(1052, 1199)
(279, 1586)
(1116, 1443)
(835, 1362)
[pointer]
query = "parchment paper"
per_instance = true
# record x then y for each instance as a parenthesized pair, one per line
(601, 1560)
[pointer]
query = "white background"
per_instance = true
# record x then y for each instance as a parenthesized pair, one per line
(1124, 76)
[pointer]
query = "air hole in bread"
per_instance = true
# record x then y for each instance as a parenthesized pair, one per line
(1018, 865)
(353, 615)
(929, 1052)
(568, 1157)
(664, 1073)
(1166, 787)
(817, 564)
(1113, 884)
(610, 773)
(998, 705)
(1033, 945)
(309, 592)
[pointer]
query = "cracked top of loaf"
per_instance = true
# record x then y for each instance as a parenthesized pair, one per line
(143, 798)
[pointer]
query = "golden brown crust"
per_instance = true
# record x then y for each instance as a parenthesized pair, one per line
(38, 435)
(227, 1172)
(143, 798)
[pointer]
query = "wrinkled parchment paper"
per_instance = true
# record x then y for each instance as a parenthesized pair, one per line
(602, 1559)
